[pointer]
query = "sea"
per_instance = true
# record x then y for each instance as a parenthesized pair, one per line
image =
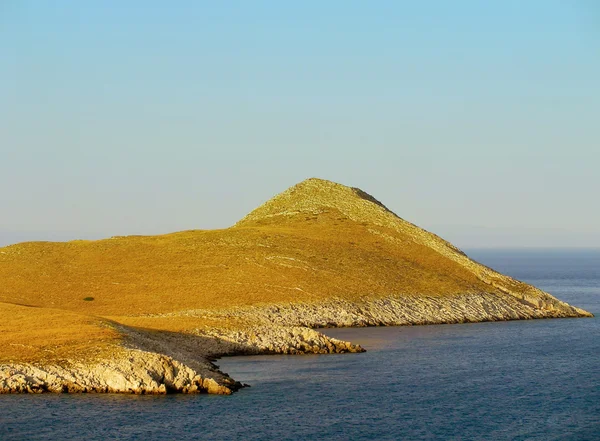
(516, 380)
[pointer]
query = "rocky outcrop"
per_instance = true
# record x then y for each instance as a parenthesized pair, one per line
(274, 339)
(154, 362)
(394, 311)
(130, 371)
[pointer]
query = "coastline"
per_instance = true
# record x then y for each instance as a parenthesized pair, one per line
(160, 362)
(150, 314)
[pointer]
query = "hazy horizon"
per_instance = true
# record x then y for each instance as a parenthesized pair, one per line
(472, 120)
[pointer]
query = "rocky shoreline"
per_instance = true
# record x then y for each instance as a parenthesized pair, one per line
(398, 311)
(166, 362)
(160, 362)
(133, 371)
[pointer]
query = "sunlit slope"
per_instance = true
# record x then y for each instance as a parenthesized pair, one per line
(316, 241)
(38, 334)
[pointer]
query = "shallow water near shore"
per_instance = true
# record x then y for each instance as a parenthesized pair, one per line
(518, 380)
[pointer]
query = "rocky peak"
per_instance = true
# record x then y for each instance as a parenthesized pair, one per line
(315, 196)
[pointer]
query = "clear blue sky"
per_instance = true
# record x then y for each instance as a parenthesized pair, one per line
(477, 120)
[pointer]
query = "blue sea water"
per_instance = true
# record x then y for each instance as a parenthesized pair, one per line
(519, 380)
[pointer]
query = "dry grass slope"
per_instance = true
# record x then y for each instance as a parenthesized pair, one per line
(316, 243)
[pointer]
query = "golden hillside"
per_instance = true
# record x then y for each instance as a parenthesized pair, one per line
(317, 241)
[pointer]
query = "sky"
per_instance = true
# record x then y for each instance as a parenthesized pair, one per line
(479, 121)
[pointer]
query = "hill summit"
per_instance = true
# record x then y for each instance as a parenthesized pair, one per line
(314, 196)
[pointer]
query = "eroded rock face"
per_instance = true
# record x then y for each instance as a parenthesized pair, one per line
(187, 368)
(393, 311)
(131, 371)
(275, 339)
